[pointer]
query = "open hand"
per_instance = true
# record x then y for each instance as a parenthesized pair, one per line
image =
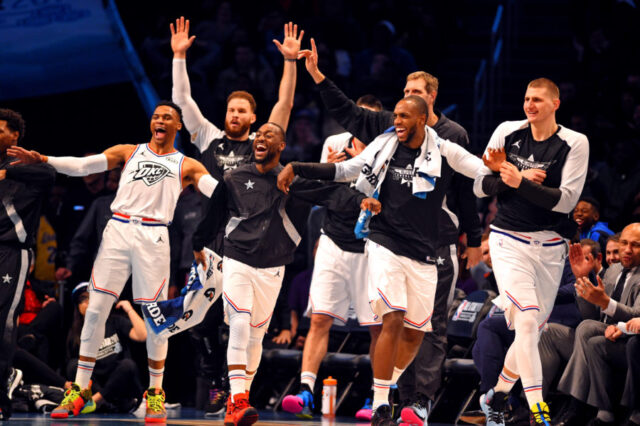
(311, 62)
(335, 156)
(580, 265)
(494, 158)
(25, 157)
(594, 294)
(358, 147)
(180, 40)
(291, 44)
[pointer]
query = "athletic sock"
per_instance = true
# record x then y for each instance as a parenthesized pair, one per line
(309, 379)
(155, 377)
(83, 373)
(380, 393)
(396, 374)
(248, 380)
(237, 381)
(505, 382)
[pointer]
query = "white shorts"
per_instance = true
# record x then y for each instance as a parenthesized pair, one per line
(528, 270)
(339, 280)
(397, 283)
(137, 250)
(250, 290)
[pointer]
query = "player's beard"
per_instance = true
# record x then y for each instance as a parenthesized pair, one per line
(244, 128)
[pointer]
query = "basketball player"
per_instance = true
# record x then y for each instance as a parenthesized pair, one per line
(527, 242)
(261, 237)
(135, 241)
(401, 167)
(339, 280)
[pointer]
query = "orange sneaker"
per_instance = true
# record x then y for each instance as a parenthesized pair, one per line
(73, 402)
(239, 412)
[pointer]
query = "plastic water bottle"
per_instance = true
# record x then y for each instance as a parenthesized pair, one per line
(329, 392)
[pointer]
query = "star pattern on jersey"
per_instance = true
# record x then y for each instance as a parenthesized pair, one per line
(440, 260)
(249, 184)
(7, 279)
(406, 181)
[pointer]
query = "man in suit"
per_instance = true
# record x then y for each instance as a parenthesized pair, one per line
(587, 378)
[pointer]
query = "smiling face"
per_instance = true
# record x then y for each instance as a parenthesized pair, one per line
(239, 119)
(630, 246)
(408, 121)
(585, 215)
(612, 252)
(268, 144)
(539, 105)
(165, 123)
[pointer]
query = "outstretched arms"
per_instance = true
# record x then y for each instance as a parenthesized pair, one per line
(76, 166)
(289, 48)
(193, 172)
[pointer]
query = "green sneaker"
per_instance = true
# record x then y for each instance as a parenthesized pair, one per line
(156, 413)
(73, 402)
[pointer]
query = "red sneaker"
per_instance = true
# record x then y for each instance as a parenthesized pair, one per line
(239, 412)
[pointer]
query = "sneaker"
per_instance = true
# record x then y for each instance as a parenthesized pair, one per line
(44, 406)
(239, 412)
(417, 413)
(72, 403)
(13, 381)
(301, 404)
(365, 412)
(217, 402)
(493, 405)
(156, 413)
(382, 417)
(540, 414)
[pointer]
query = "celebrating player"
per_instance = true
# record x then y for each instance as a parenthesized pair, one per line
(527, 241)
(135, 242)
(402, 168)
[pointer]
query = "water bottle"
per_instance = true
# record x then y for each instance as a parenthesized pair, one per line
(329, 391)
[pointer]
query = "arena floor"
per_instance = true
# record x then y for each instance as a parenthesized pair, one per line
(185, 416)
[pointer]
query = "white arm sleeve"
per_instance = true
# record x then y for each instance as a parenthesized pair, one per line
(349, 170)
(574, 172)
(79, 166)
(207, 184)
(202, 130)
(461, 160)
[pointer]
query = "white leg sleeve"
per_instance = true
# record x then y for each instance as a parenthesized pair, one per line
(527, 355)
(94, 321)
(157, 347)
(239, 330)
(254, 352)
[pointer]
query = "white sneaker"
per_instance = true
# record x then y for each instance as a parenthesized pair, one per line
(13, 381)
(493, 405)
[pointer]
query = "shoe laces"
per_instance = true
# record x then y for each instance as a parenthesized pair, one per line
(155, 401)
(241, 403)
(495, 416)
(70, 395)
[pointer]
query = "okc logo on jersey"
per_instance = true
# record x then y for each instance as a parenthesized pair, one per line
(150, 172)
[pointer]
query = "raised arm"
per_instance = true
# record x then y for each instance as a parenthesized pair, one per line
(76, 166)
(364, 124)
(193, 172)
(289, 48)
(202, 130)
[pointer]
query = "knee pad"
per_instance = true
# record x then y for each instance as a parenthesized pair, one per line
(254, 352)
(239, 333)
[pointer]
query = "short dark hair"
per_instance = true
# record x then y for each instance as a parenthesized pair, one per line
(595, 246)
(418, 102)
(172, 105)
(594, 203)
(282, 132)
(14, 120)
(615, 237)
(370, 101)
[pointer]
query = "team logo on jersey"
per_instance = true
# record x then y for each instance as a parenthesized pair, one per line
(230, 161)
(150, 172)
(529, 163)
(210, 293)
(405, 176)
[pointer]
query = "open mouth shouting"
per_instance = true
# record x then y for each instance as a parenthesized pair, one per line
(402, 133)
(159, 132)
(260, 149)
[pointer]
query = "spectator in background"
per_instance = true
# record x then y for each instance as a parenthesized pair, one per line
(612, 253)
(303, 143)
(586, 214)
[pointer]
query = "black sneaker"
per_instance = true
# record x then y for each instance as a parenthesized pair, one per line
(382, 417)
(217, 402)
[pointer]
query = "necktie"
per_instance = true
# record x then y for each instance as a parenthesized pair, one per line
(617, 292)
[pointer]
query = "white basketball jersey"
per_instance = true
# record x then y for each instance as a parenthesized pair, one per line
(150, 185)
